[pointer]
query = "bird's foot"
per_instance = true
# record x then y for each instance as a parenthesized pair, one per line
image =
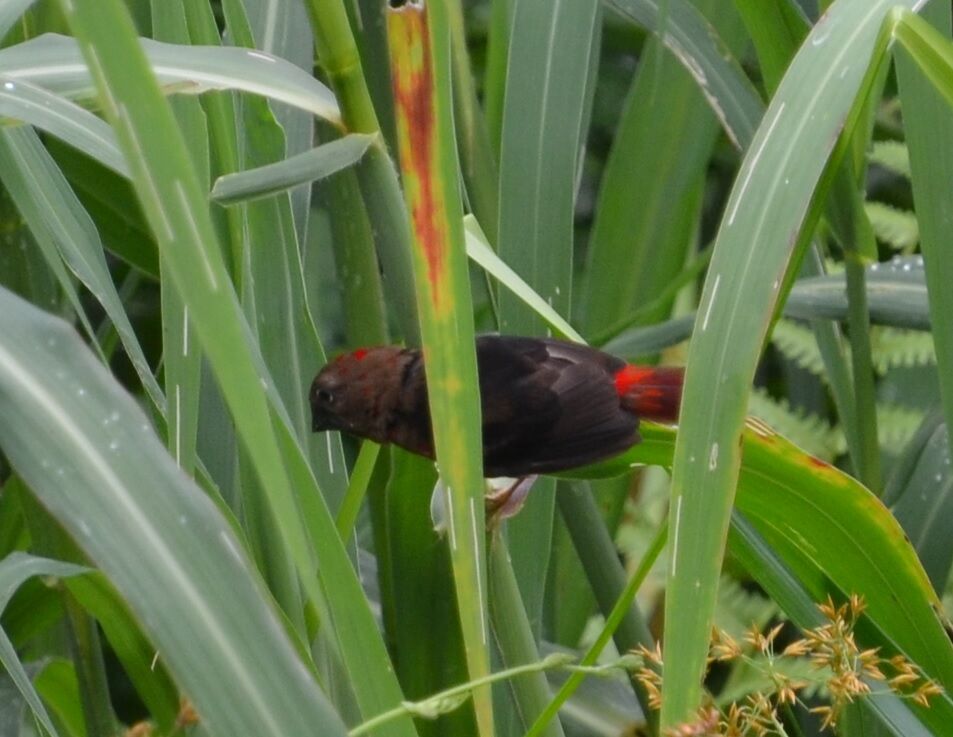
(508, 498)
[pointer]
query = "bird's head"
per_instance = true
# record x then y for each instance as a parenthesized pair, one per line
(354, 392)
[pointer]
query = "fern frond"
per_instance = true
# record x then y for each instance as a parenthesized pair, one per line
(797, 344)
(896, 424)
(739, 609)
(900, 348)
(891, 155)
(897, 228)
(756, 678)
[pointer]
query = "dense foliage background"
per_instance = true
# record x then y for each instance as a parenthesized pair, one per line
(192, 223)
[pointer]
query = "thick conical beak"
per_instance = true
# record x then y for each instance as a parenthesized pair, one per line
(317, 422)
(321, 420)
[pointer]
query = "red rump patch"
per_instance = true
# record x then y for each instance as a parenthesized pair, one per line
(654, 393)
(631, 376)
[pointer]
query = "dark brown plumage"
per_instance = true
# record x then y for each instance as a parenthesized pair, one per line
(548, 405)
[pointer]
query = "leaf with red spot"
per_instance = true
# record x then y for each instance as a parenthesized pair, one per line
(820, 520)
(418, 36)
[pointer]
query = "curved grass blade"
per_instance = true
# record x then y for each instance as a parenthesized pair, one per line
(55, 269)
(54, 215)
(151, 530)
(181, 358)
(54, 62)
(66, 120)
(896, 295)
(812, 510)
(691, 38)
(14, 570)
(480, 252)
(753, 251)
(10, 11)
(176, 206)
(652, 339)
(312, 165)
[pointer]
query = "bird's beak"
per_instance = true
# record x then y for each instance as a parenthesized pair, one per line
(320, 421)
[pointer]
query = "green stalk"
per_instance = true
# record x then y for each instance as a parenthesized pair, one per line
(514, 636)
(852, 229)
(87, 655)
(865, 407)
(613, 620)
(607, 577)
(356, 264)
(223, 135)
(339, 57)
(387, 212)
(830, 343)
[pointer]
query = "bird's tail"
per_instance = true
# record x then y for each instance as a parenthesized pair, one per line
(651, 392)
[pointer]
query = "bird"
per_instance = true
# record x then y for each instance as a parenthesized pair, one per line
(547, 405)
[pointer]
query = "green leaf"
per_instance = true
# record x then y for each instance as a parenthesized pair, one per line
(648, 340)
(59, 687)
(14, 570)
(828, 527)
(928, 118)
(318, 163)
(56, 217)
(896, 295)
(10, 11)
(753, 253)
(176, 206)
(150, 529)
(689, 36)
(553, 50)
(420, 61)
(923, 503)
(56, 115)
(54, 62)
(645, 226)
(480, 252)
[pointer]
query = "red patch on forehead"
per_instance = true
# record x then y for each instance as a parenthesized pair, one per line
(359, 354)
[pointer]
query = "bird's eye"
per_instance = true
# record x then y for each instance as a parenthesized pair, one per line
(325, 397)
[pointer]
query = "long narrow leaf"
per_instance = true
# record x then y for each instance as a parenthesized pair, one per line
(420, 58)
(14, 570)
(175, 205)
(753, 250)
(64, 119)
(55, 63)
(315, 164)
(153, 532)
